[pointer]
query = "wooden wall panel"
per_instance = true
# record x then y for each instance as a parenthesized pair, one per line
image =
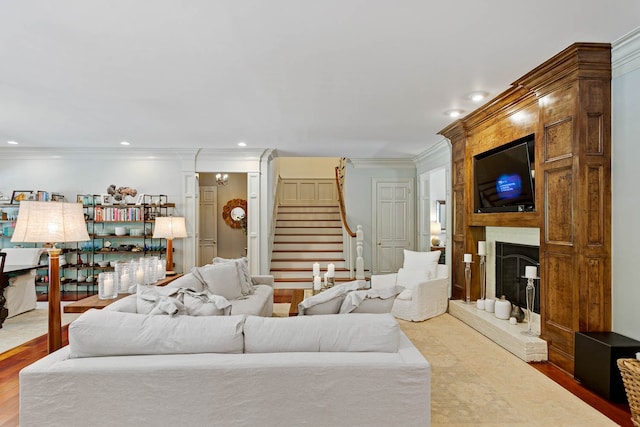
(558, 206)
(566, 102)
(557, 140)
(595, 206)
(595, 134)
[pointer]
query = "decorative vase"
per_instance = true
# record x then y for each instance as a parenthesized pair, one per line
(489, 305)
(517, 312)
(503, 308)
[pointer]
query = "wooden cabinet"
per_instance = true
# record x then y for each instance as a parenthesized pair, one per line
(566, 103)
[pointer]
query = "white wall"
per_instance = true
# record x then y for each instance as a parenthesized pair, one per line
(358, 198)
(304, 167)
(625, 180)
(79, 172)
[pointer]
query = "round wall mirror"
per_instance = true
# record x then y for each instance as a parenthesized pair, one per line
(237, 214)
(234, 213)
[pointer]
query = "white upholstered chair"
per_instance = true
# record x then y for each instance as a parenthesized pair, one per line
(426, 286)
(21, 293)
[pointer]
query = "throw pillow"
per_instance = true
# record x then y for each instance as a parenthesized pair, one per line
(112, 333)
(156, 300)
(411, 278)
(334, 332)
(329, 301)
(187, 281)
(203, 303)
(370, 300)
(242, 264)
(220, 279)
(421, 260)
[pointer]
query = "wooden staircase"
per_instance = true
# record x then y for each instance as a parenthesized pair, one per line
(306, 234)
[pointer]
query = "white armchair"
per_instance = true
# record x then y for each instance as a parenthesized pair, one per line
(21, 292)
(422, 299)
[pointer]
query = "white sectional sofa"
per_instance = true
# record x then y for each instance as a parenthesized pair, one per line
(123, 369)
(259, 303)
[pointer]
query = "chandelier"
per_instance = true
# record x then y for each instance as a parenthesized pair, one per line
(222, 179)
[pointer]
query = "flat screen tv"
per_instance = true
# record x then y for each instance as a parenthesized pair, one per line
(504, 181)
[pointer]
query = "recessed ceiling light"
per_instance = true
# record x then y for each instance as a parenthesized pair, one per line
(124, 143)
(242, 144)
(477, 96)
(12, 142)
(453, 113)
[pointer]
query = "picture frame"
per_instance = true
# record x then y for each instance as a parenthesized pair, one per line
(105, 199)
(20, 195)
(57, 197)
(140, 199)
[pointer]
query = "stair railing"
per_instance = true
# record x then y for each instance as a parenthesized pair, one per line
(348, 233)
(274, 216)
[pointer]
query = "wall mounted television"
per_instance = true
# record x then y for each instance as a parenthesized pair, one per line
(504, 178)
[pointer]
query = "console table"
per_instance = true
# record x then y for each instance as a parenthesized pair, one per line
(93, 301)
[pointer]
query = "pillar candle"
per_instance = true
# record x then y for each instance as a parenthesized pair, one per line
(467, 258)
(482, 247)
(316, 283)
(140, 277)
(531, 272)
(325, 278)
(108, 286)
(331, 269)
(316, 269)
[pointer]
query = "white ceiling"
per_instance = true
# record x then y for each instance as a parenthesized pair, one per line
(354, 78)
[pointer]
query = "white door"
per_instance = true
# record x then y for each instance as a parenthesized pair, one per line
(208, 243)
(394, 229)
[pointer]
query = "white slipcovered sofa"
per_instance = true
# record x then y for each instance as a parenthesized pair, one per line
(234, 289)
(426, 284)
(21, 292)
(125, 369)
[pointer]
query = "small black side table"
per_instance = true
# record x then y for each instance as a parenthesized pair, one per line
(596, 355)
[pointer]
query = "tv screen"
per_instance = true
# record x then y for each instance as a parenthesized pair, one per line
(503, 178)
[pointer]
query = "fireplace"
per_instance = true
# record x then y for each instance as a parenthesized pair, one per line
(511, 260)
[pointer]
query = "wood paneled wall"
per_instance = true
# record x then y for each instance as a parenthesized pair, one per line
(566, 102)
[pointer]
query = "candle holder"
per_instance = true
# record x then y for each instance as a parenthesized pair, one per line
(107, 288)
(331, 280)
(483, 282)
(467, 279)
(530, 293)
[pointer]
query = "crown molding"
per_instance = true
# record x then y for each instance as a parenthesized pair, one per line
(625, 54)
(382, 163)
(124, 153)
(439, 148)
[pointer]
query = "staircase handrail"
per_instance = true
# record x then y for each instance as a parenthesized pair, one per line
(359, 234)
(343, 216)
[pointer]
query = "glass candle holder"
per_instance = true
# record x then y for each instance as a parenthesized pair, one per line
(107, 288)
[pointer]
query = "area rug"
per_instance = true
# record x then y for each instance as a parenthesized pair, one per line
(475, 382)
(281, 309)
(27, 326)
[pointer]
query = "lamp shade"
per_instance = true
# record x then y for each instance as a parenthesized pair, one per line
(170, 227)
(53, 222)
(436, 228)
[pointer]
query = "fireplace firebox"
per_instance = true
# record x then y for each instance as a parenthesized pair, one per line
(511, 260)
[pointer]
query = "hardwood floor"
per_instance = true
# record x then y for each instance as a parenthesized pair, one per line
(12, 361)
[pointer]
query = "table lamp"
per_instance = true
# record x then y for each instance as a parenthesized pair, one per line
(51, 222)
(435, 230)
(170, 227)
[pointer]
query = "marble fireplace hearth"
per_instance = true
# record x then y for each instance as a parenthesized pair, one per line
(506, 335)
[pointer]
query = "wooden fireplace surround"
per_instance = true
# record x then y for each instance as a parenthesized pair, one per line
(566, 103)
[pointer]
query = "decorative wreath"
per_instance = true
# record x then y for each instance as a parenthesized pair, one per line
(226, 213)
